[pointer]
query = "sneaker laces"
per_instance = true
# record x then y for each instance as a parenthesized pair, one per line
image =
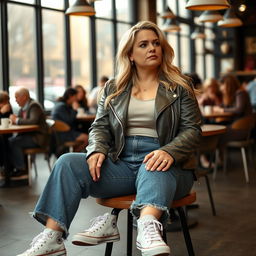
(37, 241)
(151, 230)
(97, 222)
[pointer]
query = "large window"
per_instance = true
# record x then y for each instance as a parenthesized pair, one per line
(22, 52)
(80, 51)
(53, 54)
(48, 50)
(105, 57)
(190, 57)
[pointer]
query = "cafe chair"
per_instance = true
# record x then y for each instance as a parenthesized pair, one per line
(245, 124)
(57, 147)
(54, 126)
(124, 202)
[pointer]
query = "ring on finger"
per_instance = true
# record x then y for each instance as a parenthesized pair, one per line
(165, 161)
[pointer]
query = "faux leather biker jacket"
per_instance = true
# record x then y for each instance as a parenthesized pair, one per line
(177, 123)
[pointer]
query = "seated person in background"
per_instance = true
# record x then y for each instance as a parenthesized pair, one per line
(81, 99)
(251, 89)
(31, 112)
(5, 106)
(211, 95)
(93, 96)
(5, 112)
(234, 98)
(81, 106)
(64, 112)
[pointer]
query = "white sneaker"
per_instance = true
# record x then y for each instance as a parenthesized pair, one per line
(47, 243)
(149, 239)
(102, 230)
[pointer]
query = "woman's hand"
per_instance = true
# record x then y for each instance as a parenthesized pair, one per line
(95, 162)
(158, 160)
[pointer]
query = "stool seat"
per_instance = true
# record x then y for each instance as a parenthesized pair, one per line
(35, 150)
(124, 202)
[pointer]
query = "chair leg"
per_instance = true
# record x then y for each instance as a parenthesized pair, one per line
(29, 170)
(216, 164)
(34, 161)
(210, 195)
(185, 230)
(245, 165)
(225, 156)
(109, 246)
(47, 158)
(129, 233)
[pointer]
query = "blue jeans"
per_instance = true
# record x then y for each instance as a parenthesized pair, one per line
(70, 181)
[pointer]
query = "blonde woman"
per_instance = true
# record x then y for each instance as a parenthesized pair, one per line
(142, 141)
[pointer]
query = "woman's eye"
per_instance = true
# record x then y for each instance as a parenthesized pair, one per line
(157, 43)
(143, 45)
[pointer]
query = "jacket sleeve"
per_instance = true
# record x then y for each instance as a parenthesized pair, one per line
(100, 137)
(35, 115)
(189, 133)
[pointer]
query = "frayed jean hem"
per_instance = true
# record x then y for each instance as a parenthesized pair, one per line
(42, 218)
(135, 211)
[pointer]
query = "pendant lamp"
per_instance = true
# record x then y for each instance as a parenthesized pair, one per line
(171, 25)
(230, 20)
(167, 13)
(210, 16)
(80, 7)
(203, 5)
(198, 34)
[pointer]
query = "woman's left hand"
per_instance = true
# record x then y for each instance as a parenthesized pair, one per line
(158, 160)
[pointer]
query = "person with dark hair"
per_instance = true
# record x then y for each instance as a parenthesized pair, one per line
(93, 96)
(81, 99)
(142, 141)
(64, 112)
(235, 98)
(5, 106)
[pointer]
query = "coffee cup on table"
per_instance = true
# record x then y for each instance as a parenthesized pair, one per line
(5, 122)
(80, 111)
(208, 109)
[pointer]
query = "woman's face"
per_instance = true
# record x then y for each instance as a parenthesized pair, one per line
(223, 88)
(146, 51)
(80, 94)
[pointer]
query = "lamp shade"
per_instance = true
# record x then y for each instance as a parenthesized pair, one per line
(80, 7)
(230, 20)
(210, 16)
(171, 25)
(198, 34)
(167, 14)
(203, 5)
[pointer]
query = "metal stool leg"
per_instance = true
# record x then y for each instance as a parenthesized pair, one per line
(210, 195)
(129, 233)
(109, 246)
(185, 230)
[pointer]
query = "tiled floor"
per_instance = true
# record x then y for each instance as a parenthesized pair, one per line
(231, 232)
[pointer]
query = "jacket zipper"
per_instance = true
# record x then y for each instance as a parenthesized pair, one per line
(118, 119)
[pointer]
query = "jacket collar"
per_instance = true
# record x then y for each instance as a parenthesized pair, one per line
(165, 97)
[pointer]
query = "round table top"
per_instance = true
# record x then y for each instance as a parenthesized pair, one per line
(86, 117)
(19, 129)
(217, 114)
(213, 129)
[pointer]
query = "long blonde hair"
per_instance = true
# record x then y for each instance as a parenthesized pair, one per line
(169, 75)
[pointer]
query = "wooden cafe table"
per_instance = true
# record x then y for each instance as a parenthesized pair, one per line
(86, 117)
(12, 129)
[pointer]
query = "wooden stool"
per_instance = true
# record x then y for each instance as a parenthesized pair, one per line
(124, 202)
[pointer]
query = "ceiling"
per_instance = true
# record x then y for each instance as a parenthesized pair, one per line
(249, 15)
